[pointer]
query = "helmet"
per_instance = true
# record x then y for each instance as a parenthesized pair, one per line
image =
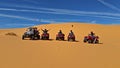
(60, 30)
(91, 31)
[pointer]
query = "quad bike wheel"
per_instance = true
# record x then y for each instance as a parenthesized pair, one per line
(23, 37)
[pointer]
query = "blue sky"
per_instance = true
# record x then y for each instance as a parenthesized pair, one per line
(23, 13)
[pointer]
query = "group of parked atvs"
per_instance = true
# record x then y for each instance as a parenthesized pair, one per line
(33, 34)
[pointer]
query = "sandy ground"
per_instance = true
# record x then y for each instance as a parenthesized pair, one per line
(18, 53)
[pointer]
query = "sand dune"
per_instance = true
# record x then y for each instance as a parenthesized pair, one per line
(18, 53)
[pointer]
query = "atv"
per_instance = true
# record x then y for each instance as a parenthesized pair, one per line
(71, 37)
(45, 36)
(60, 37)
(91, 39)
(32, 36)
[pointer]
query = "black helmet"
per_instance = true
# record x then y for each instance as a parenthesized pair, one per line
(60, 31)
(91, 32)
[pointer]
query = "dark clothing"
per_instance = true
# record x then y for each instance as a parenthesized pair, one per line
(92, 34)
(60, 32)
(45, 31)
(71, 33)
(36, 32)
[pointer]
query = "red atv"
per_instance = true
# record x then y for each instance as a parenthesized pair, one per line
(45, 36)
(91, 39)
(60, 37)
(71, 37)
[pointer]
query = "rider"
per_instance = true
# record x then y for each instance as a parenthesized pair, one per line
(36, 31)
(45, 30)
(92, 33)
(71, 33)
(60, 32)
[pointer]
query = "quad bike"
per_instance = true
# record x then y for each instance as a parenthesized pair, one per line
(91, 39)
(32, 36)
(60, 37)
(71, 37)
(45, 36)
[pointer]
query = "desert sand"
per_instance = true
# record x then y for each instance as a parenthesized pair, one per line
(18, 53)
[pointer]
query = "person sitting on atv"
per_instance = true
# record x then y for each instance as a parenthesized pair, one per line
(92, 33)
(71, 33)
(36, 31)
(45, 30)
(60, 32)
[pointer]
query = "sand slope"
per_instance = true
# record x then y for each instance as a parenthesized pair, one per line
(17, 53)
